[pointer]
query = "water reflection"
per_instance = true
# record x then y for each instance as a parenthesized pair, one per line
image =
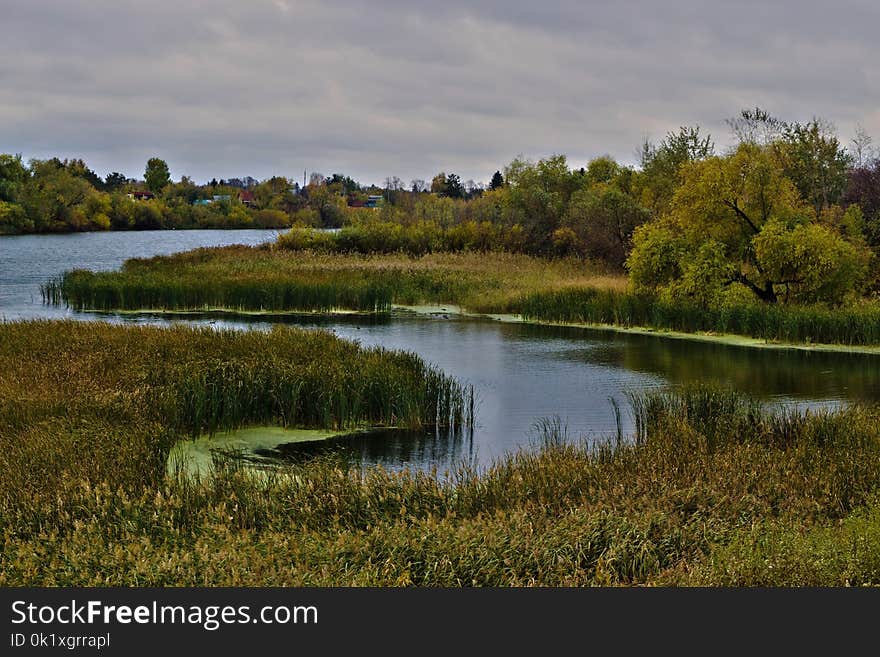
(764, 373)
(391, 448)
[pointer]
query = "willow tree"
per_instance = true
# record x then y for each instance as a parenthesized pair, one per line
(739, 221)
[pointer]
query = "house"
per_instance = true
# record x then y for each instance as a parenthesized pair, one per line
(246, 197)
(141, 195)
(374, 201)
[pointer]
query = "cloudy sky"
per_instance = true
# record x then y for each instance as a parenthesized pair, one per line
(374, 89)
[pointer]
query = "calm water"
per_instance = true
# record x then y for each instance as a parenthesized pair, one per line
(521, 373)
(26, 261)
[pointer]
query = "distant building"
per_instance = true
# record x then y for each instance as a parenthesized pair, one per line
(374, 201)
(141, 195)
(246, 197)
(217, 198)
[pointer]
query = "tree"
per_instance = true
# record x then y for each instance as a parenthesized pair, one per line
(51, 195)
(114, 181)
(603, 221)
(863, 190)
(497, 181)
(342, 184)
(602, 170)
(757, 126)
(156, 175)
(454, 187)
(278, 193)
(862, 150)
(472, 189)
(78, 168)
(739, 220)
(12, 175)
(809, 262)
(393, 187)
(813, 159)
(537, 196)
(658, 179)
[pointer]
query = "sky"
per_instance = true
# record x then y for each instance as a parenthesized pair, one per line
(374, 89)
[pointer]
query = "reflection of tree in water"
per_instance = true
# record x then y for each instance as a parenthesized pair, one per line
(392, 448)
(759, 372)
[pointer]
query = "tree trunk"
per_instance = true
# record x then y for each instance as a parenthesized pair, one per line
(765, 293)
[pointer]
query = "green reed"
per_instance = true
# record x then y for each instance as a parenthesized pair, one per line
(416, 238)
(850, 325)
(81, 390)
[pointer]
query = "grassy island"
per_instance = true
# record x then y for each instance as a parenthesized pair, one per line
(276, 278)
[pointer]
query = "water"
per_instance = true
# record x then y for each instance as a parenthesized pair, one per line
(521, 373)
(26, 261)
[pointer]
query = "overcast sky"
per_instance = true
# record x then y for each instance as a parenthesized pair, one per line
(373, 89)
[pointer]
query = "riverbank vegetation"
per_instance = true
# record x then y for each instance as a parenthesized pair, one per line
(712, 489)
(564, 290)
(108, 401)
(277, 279)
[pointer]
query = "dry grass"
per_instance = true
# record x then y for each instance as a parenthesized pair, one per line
(711, 490)
(254, 278)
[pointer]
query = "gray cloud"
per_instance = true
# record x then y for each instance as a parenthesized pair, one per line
(267, 87)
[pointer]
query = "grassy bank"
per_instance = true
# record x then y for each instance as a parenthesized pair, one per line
(711, 490)
(274, 279)
(857, 324)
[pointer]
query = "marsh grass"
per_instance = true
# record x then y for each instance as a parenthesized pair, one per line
(701, 494)
(101, 402)
(857, 324)
(274, 279)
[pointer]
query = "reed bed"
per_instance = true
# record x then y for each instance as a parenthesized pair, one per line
(106, 402)
(274, 279)
(713, 489)
(416, 238)
(857, 324)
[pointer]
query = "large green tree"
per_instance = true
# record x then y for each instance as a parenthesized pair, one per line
(816, 163)
(13, 174)
(661, 164)
(739, 220)
(52, 195)
(603, 220)
(538, 194)
(156, 175)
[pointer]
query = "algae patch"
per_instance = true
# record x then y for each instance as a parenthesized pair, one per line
(195, 458)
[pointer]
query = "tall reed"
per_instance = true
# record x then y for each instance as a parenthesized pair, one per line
(851, 325)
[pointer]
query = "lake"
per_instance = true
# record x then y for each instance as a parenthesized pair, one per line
(521, 373)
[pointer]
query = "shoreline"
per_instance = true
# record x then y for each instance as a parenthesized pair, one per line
(452, 310)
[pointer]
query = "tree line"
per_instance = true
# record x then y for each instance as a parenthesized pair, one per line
(787, 213)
